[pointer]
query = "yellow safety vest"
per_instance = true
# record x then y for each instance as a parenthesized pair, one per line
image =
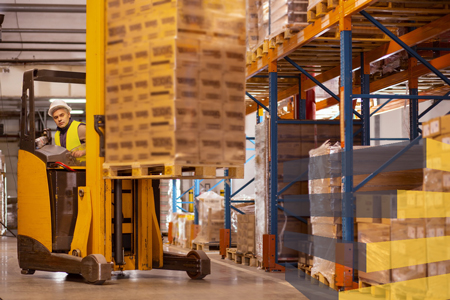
(72, 138)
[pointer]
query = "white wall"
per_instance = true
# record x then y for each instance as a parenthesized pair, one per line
(395, 124)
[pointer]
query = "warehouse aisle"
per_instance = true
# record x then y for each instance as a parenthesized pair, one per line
(227, 281)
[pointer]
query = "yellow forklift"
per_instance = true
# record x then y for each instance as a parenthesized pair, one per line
(72, 220)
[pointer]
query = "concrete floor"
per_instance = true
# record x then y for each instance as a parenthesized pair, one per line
(227, 281)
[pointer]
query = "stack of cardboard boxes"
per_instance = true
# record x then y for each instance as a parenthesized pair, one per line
(175, 82)
(436, 185)
(246, 234)
(287, 13)
(252, 23)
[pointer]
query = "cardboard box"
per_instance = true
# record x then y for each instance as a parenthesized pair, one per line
(113, 10)
(234, 87)
(211, 146)
(193, 20)
(141, 87)
(142, 146)
(142, 117)
(211, 86)
(112, 66)
(235, 59)
(162, 85)
(151, 27)
(374, 233)
(234, 117)
(444, 125)
(211, 56)
(112, 148)
(112, 91)
(211, 115)
(426, 130)
(234, 148)
(368, 209)
(187, 82)
(166, 51)
(141, 52)
(444, 139)
(174, 146)
(126, 90)
(170, 115)
(117, 33)
(168, 22)
(126, 119)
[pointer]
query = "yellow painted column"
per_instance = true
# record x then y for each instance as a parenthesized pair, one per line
(95, 52)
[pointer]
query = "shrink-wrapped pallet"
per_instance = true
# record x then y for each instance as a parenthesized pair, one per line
(174, 74)
(325, 178)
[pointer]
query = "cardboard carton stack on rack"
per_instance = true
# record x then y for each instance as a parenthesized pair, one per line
(175, 82)
(287, 14)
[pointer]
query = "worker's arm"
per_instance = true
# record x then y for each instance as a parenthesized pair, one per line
(82, 136)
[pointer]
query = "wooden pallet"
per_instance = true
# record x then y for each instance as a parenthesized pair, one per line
(231, 253)
(320, 9)
(324, 280)
(384, 291)
(250, 260)
(149, 170)
(211, 246)
(305, 268)
(376, 289)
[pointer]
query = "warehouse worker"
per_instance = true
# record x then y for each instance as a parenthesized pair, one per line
(71, 134)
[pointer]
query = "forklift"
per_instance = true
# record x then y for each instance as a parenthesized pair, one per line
(71, 219)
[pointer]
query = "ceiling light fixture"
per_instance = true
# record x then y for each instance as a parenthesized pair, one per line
(77, 112)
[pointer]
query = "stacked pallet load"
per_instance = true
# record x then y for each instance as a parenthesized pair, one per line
(287, 14)
(175, 83)
(373, 200)
(252, 23)
(325, 185)
(436, 186)
(263, 20)
(294, 143)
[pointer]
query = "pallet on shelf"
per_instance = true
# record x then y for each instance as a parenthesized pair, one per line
(152, 170)
(319, 8)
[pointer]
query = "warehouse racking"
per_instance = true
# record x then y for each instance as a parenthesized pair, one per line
(338, 44)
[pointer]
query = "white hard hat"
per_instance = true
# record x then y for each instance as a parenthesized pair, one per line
(57, 104)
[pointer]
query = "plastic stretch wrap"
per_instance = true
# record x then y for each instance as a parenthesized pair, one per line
(328, 172)
(210, 216)
(252, 23)
(261, 182)
(165, 196)
(163, 61)
(246, 208)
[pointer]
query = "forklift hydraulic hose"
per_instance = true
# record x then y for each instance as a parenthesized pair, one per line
(66, 167)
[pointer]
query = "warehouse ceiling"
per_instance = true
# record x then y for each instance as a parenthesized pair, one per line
(46, 31)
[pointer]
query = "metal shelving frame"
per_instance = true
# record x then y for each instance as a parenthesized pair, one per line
(228, 195)
(341, 16)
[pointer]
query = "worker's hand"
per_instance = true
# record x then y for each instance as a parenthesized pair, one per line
(79, 153)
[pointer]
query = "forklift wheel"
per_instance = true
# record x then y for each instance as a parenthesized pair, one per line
(27, 272)
(197, 255)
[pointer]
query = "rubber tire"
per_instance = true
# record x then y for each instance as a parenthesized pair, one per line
(27, 272)
(197, 275)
